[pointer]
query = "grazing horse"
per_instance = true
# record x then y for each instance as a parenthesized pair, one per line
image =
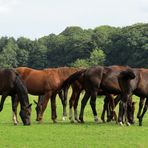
(111, 114)
(11, 85)
(58, 76)
(45, 83)
(96, 78)
(139, 87)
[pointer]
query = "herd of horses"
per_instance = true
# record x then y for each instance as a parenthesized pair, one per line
(110, 81)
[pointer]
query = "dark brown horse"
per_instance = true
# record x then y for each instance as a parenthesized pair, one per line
(111, 114)
(96, 78)
(139, 87)
(11, 85)
(77, 88)
(47, 83)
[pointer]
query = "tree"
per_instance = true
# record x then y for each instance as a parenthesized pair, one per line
(38, 56)
(81, 63)
(97, 57)
(8, 54)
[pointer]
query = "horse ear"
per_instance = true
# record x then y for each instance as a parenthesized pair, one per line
(35, 102)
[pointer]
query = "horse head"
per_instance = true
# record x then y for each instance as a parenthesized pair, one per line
(25, 114)
(39, 109)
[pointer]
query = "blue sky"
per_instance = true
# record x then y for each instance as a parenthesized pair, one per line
(37, 18)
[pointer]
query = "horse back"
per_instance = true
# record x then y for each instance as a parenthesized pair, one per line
(57, 76)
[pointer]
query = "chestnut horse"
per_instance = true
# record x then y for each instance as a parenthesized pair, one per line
(46, 83)
(11, 85)
(100, 78)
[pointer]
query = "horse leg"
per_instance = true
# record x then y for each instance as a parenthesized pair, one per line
(15, 102)
(53, 108)
(64, 103)
(116, 101)
(141, 103)
(93, 105)
(144, 110)
(41, 106)
(104, 109)
(71, 104)
(120, 114)
(83, 104)
(110, 107)
(3, 98)
(75, 106)
(111, 115)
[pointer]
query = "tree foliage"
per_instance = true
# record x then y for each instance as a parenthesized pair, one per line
(105, 45)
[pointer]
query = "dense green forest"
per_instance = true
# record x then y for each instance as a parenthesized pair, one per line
(104, 45)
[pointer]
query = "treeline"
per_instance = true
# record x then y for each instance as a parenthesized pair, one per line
(79, 47)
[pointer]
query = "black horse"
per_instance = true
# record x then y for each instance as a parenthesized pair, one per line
(11, 85)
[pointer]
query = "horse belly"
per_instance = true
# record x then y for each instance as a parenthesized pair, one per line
(35, 88)
(111, 86)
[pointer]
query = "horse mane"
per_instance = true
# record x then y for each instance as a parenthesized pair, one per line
(21, 89)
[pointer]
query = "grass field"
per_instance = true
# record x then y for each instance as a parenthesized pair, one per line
(67, 135)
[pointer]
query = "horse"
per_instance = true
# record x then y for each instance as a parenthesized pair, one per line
(111, 114)
(139, 87)
(60, 75)
(95, 78)
(46, 83)
(11, 85)
(77, 88)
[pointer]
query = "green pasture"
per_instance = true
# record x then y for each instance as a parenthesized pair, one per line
(67, 135)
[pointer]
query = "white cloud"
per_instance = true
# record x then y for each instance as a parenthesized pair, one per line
(35, 18)
(7, 5)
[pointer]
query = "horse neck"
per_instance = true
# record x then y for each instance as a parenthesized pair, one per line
(21, 92)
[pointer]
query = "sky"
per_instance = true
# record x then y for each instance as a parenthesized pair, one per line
(36, 18)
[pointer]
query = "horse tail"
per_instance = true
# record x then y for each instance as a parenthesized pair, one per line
(72, 78)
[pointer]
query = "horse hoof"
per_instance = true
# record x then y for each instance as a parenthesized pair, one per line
(72, 121)
(103, 121)
(96, 120)
(108, 120)
(81, 120)
(63, 118)
(140, 124)
(54, 121)
(120, 123)
(15, 124)
(76, 119)
(128, 124)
